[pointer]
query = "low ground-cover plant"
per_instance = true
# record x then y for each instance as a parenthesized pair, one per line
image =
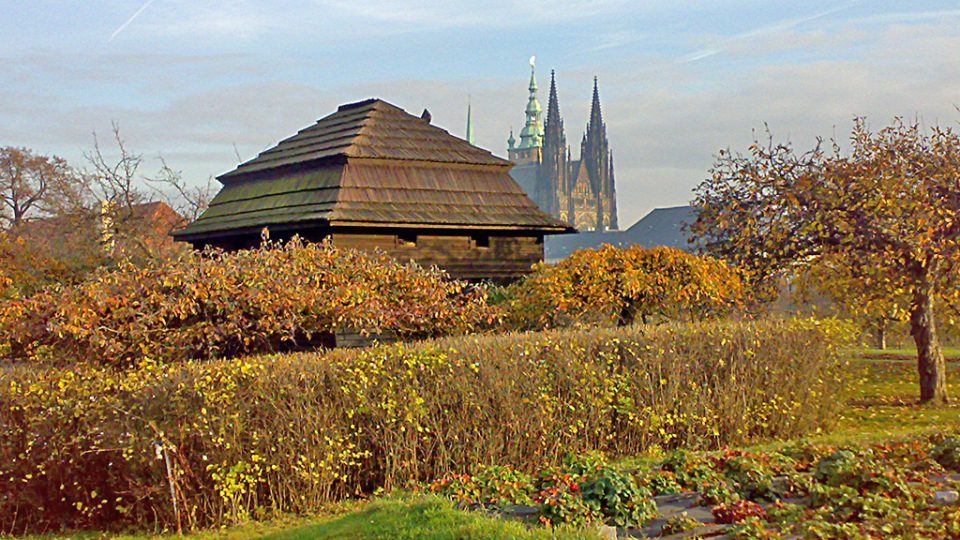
(88, 446)
(883, 490)
(679, 524)
(489, 486)
(582, 491)
(216, 305)
(737, 511)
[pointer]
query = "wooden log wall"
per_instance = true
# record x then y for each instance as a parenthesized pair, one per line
(477, 257)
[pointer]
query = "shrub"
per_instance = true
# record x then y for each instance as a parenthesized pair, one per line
(620, 285)
(215, 304)
(617, 497)
(289, 433)
(491, 485)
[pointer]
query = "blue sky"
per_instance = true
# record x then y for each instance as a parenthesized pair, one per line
(200, 81)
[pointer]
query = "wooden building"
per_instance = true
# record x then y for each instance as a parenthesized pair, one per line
(372, 176)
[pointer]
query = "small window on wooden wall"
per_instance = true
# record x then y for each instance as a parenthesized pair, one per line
(481, 241)
(407, 240)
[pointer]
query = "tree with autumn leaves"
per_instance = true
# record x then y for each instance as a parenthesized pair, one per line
(59, 223)
(612, 285)
(886, 215)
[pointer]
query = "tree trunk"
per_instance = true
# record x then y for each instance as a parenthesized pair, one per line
(923, 328)
(627, 315)
(882, 334)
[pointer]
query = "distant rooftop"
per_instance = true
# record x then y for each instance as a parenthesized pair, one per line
(661, 227)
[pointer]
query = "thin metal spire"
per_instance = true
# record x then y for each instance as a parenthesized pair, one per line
(469, 121)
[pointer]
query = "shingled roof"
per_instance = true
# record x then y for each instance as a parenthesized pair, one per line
(372, 164)
(369, 129)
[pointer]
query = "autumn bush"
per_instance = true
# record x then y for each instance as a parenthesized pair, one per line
(86, 446)
(221, 305)
(612, 285)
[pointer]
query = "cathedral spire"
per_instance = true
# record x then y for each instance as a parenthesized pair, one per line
(596, 118)
(470, 123)
(552, 177)
(553, 105)
(531, 135)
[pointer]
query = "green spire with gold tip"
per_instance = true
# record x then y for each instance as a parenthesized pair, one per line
(531, 136)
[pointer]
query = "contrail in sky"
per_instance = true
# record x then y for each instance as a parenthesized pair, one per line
(130, 20)
(775, 27)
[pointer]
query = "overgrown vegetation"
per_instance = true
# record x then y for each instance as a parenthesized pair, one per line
(286, 434)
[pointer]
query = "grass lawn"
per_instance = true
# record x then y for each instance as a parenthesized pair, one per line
(882, 401)
(420, 517)
(402, 518)
(881, 406)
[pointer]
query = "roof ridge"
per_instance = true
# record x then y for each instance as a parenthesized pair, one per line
(357, 104)
(371, 128)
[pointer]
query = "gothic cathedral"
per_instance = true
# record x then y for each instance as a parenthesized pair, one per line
(581, 192)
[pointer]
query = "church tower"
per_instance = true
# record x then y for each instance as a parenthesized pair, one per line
(595, 153)
(581, 192)
(551, 181)
(531, 136)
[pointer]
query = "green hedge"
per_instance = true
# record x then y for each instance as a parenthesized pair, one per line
(290, 433)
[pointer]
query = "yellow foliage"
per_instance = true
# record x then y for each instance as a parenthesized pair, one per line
(619, 285)
(289, 433)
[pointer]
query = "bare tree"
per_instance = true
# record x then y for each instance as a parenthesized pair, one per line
(122, 191)
(188, 201)
(115, 181)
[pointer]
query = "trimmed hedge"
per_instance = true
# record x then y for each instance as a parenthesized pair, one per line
(84, 447)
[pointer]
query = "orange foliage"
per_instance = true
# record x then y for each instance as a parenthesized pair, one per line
(620, 285)
(215, 304)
